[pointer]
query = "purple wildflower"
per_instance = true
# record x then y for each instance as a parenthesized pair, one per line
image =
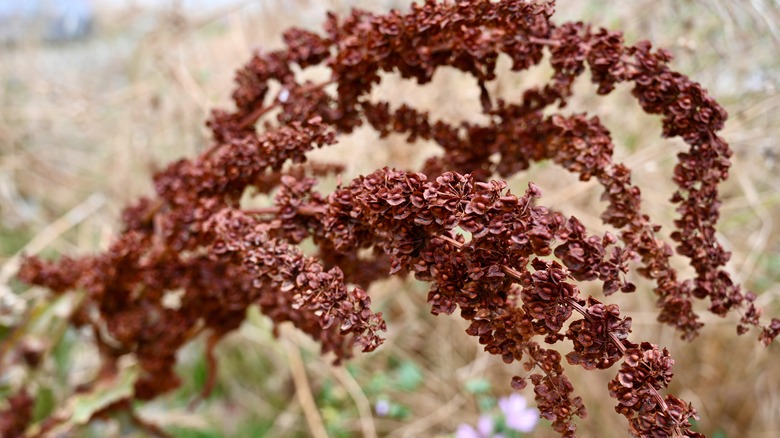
(484, 429)
(382, 407)
(517, 413)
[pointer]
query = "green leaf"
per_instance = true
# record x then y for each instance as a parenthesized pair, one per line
(477, 386)
(51, 316)
(44, 404)
(377, 384)
(327, 395)
(353, 369)
(200, 371)
(85, 405)
(409, 376)
(399, 412)
(486, 402)
(181, 432)
(79, 408)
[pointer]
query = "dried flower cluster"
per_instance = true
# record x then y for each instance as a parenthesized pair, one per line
(484, 250)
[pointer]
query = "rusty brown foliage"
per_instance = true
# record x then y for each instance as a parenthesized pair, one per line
(509, 265)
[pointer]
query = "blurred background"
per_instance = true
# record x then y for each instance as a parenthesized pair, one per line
(97, 95)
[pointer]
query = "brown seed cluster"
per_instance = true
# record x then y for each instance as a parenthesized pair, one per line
(510, 266)
(17, 414)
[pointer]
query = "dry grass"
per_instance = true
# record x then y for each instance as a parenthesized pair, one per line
(97, 117)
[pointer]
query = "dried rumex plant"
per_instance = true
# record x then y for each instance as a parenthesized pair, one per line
(512, 267)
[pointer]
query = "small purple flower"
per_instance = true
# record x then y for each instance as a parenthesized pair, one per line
(517, 413)
(466, 431)
(382, 407)
(484, 429)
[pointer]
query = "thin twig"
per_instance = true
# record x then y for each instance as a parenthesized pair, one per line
(255, 115)
(303, 392)
(211, 372)
(364, 407)
(51, 232)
